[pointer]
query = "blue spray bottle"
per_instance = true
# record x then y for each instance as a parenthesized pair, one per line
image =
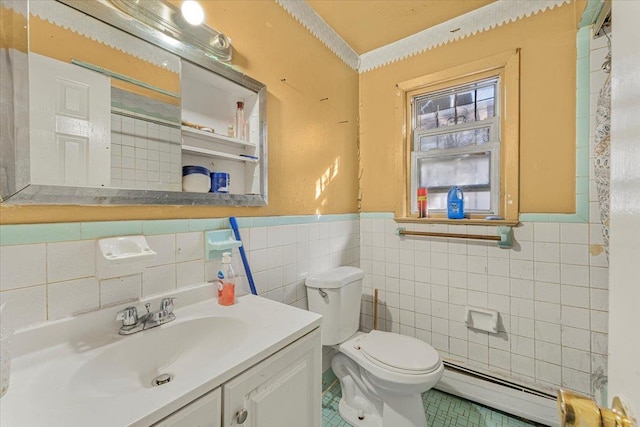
(455, 203)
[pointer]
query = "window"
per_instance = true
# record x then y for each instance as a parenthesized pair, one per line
(456, 141)
(461, 126)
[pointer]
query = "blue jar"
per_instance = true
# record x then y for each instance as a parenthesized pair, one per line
(455, 203)
(220, 182)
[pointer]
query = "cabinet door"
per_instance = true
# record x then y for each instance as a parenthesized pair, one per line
(70, 124)
(202, 412)
(282, 391)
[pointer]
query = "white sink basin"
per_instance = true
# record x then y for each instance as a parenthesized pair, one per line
(132, 363)
(81, 372)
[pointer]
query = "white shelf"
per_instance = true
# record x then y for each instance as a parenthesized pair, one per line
(214, 137)
(217, 154)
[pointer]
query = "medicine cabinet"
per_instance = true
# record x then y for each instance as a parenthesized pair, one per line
(209, 129)
(127, 106)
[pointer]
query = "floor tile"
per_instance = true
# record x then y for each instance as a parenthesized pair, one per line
(442, 409)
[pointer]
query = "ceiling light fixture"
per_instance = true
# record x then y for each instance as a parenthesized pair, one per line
(179, 23)
(192, 12)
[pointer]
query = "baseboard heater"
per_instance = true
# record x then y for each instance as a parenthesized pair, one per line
(509, 397)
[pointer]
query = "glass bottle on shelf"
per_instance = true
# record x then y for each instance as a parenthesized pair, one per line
(240, 121)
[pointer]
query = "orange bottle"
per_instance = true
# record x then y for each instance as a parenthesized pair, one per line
(422, 203)
(226, 281)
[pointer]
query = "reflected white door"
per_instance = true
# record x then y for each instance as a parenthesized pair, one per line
(70, 124)
(624, 284)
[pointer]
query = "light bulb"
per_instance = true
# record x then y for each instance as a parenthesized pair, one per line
(192, 12)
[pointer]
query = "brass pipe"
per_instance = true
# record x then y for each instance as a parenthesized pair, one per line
(454, 235)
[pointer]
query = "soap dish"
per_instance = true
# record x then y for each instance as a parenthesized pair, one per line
(124, 250)
(122, 256)
(219, 241)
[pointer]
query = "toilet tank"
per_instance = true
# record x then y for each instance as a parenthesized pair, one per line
(335, 294)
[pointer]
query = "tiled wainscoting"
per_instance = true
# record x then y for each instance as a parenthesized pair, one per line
(49, 270)
(550, 290)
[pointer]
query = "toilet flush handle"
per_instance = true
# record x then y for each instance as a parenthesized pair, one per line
(323, 294)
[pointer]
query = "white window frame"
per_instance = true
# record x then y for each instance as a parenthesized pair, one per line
(493, 146)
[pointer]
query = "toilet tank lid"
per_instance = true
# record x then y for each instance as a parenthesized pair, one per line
(334, 278)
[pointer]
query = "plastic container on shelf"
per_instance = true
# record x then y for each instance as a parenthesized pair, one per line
(220, 182)
(455, 203)
(226, 281)
(240, 121)
(196, 179)
(422, 202)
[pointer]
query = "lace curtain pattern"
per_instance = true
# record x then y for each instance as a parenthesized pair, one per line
(601, 157)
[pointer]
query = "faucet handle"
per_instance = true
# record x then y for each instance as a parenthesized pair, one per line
(129, 316)
(166, 304)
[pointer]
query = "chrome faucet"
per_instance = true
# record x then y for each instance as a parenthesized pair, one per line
(131, 323)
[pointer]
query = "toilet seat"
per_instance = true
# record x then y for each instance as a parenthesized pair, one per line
(399, 353)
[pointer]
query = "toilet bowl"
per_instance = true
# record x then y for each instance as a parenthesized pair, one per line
(382, 374)
(390, 372)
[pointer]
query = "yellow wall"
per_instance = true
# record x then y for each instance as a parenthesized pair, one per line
(14, 30)
(313, 164)
(547, 109)
(307, 142)
(64, 45)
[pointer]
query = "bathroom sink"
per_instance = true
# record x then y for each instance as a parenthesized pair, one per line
(82, 372)
(176, 350)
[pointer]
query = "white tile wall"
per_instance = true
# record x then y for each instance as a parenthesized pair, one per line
(550, 290)
(120, 289)
(23, 266)
(552, 321)
(145, 155)
(74, 296)
(50, 281)
(70, 260)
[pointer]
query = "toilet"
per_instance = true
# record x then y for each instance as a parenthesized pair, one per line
(382, 374)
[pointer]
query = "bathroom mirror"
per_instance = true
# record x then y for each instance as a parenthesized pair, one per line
(114, 107)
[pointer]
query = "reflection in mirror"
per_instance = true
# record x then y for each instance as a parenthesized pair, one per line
(14, 94)
(105, 106)
(102, 108)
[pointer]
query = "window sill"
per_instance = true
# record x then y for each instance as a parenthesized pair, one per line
(463, 221)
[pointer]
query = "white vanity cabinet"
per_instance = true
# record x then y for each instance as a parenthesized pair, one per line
(258, 355)
(283, 390)
(202, 412)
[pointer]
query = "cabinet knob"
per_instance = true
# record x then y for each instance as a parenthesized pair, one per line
(241, 416)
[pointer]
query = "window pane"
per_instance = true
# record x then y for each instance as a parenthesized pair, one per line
(468, 169)
(447, 117)
(473, 200)
(486, 92)
(485, 109)
(455, 139)
(453, 107)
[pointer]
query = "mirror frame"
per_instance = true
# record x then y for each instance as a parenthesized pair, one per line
(63, 195)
